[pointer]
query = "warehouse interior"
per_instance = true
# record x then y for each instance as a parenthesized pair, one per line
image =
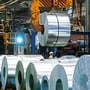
(42, 34)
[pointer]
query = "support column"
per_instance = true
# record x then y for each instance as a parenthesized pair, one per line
(33, 47)
(88, 21)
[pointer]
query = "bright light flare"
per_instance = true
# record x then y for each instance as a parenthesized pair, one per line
(19, 40)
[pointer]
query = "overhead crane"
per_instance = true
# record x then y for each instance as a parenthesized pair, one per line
(38, 5)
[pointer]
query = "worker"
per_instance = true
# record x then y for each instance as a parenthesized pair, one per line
(1, 86)
(51, 55)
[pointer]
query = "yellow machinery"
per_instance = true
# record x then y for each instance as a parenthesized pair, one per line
(38, 5)
(6, 35)
(7, 40)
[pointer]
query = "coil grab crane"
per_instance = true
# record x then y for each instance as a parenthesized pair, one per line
(38, 5)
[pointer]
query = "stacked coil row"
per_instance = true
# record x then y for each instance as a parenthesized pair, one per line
(33, 72)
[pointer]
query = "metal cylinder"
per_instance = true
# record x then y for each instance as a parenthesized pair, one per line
(8, 69)
(45, 83)
(1, 59)
(21, 69)
(57, 30)
(81, 77)
(35, 72)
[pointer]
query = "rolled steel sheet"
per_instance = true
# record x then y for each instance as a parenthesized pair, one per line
(8, 69)
(22, 66)
(58, 79)
(31, 57)
(57, 29)
(39, 85)
(35, 72)
(1, 58)
(81, 76)
(69, 66)
(26, 59)
(19, 76)
(45, 83)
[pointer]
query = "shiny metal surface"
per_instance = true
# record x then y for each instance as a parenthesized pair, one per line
(57, 30)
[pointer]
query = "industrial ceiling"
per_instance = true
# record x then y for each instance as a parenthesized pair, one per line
(17, 5)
